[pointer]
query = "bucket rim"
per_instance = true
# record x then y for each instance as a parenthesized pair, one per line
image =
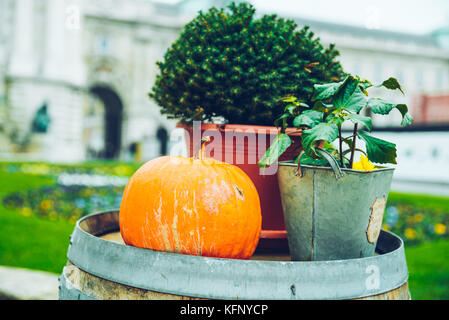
(306, 166)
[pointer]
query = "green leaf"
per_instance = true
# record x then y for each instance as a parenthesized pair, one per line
(281, 119)
(351, 96)
(328, 147)
(365, 84)
(290, 108)
(289, 99)
(303, 105)
(306, 160)
(337, 120)
(356, 118)
(407, 119)
(322, 107)
(322, 131)
(345, 93)
(356, 102)
(392, 84)
(326, 91)
(348, 142)
(309, 118)
(378, 150)
(303, 120)
(380, 106)
(276, 149)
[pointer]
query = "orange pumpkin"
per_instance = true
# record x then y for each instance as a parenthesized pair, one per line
(192, 206)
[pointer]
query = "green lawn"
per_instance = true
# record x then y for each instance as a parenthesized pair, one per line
(428, 262)
(37, 243)
(421, 201)
(428, 266)
(30, 242)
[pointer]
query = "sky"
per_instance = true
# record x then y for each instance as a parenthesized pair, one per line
(409, 16)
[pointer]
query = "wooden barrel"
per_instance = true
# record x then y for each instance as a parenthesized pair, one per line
(101, 266)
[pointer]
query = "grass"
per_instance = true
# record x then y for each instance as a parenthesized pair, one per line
(37, 243)
(428, 266)
(420, 201)
(428, 263)
(31, 242)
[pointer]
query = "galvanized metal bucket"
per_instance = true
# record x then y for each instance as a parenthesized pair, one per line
(332, 213)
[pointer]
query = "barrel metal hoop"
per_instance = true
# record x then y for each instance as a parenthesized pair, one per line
(217, 278)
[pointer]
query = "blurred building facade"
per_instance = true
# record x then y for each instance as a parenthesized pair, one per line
(91, 63)
(419, 62)
(74, 74)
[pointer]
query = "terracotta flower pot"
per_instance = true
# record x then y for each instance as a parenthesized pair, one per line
(238, 150)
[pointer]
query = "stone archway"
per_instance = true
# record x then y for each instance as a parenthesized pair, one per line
(113, 117)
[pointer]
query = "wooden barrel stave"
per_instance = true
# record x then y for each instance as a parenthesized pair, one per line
(101, 289)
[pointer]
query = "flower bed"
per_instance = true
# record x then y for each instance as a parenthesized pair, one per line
(64, 202)
(94, 168)
(416, 224)
(413, 224)
(79, 189)
(88, 188)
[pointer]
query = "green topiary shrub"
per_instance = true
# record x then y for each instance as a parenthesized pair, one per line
(228, 63)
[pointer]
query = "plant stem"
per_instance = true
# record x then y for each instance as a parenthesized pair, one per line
(353, 146)
(199, 153)
(340, 140)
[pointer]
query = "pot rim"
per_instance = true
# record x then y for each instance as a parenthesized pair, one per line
(235, 127)
(305, 166)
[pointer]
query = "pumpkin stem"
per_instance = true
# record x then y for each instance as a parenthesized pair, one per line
(199, 154)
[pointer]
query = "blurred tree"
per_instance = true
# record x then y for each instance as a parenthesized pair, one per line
(227, 63)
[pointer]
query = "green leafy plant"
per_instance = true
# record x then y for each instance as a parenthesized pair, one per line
(228, 63)
(321, 124)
